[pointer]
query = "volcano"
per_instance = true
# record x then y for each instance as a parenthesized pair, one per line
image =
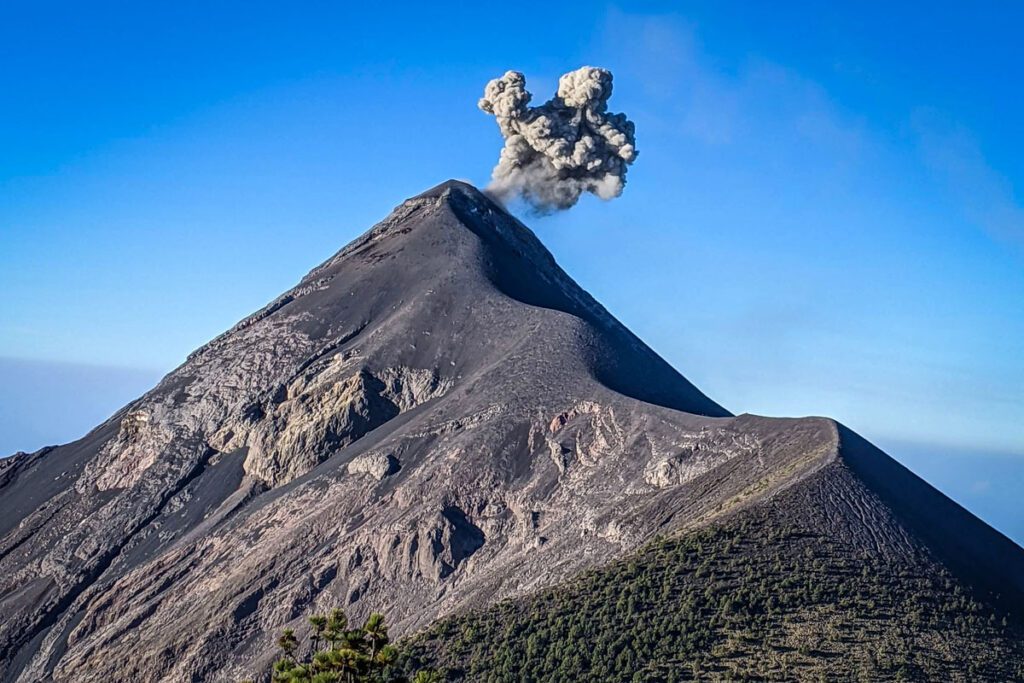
(439, 424)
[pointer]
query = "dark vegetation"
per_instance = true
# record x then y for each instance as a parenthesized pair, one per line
(338, 654)
(756, 598)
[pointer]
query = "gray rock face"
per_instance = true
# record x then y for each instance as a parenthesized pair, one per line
(435, 418)
(377, 465)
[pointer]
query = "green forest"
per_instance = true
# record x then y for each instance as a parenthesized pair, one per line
(752, 599)
(755, 599)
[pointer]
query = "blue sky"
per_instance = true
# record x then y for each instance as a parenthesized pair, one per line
(825, 218)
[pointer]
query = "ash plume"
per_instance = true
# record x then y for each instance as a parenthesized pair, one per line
(565, 147)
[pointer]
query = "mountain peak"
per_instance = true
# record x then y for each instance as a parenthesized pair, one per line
(449, 186)
(463, 234)
(435, 418)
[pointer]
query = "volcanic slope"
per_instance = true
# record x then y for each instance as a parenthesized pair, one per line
(435, 420)
(821, 581)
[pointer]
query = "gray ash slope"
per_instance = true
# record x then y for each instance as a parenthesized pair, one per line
(434, 419)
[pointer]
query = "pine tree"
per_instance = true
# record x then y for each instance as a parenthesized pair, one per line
(376, 632)
(319, 624)
(288, 642)
(361, 655)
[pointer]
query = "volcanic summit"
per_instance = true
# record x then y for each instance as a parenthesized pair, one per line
(438, 421)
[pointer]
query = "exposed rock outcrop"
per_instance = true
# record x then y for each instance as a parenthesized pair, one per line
(377, 465)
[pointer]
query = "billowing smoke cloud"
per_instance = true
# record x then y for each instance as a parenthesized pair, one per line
(569, 145)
